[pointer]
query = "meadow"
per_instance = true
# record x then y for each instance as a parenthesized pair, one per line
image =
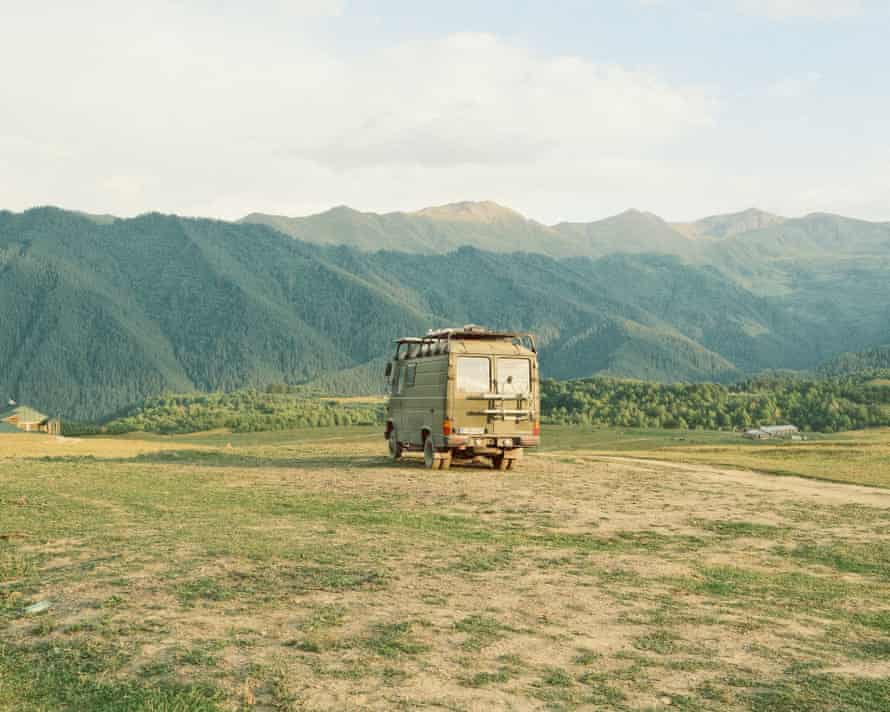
(617, 569)
(858, 456)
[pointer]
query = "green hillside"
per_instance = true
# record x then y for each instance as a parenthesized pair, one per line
(97, 314)
(874, 361)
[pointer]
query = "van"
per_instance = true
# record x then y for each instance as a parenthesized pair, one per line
(463, 395)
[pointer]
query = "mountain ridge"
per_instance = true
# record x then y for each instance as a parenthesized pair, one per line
(729, 224)
(490, 226)
(97, 314)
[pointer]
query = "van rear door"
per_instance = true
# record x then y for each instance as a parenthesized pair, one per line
(513, 386)
(472, 383)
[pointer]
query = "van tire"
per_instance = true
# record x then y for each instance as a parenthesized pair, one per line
(430, 460)
(395, 447)
(500, 462)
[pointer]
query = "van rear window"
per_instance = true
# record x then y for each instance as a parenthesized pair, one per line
(514, 375)
(473, 374)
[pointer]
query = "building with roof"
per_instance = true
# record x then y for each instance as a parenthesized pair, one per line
(772, 432)
(23, 418)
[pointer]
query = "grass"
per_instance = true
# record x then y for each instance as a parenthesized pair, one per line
(42, 676)
(850, 557)
(303, 571)
(481, 679)
(662, 642)
(481, 631)
(732, 528)
(823, 693)
(392, 640)
(858, 457)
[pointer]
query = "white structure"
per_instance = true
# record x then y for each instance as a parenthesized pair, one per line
(770, 432)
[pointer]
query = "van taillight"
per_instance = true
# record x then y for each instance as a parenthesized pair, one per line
(536, 429)
(446, 427)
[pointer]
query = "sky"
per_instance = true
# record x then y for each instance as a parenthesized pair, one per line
(562, 110)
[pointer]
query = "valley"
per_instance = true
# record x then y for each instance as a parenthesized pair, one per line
(102, 313)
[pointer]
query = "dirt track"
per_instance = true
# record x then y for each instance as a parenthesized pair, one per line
(834, 492)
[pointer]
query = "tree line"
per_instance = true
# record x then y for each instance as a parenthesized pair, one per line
(820, 405)
(824, 405)
(239, 411)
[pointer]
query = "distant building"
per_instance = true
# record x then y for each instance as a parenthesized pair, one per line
(772, 432)
(21, 417)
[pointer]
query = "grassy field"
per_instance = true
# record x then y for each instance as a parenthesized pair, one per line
(616, 570)
(860, 457)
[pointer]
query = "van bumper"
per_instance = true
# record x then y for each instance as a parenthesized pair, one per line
(492, 441)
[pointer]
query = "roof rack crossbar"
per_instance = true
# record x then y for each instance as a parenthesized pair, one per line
(470, 331)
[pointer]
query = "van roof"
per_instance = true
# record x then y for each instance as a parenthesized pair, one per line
(484, 340)
(469, 331)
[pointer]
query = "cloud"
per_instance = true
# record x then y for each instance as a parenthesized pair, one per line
(794, 87)
(793, 9)
(177, 111)
(472, 98)
(193, 109)
(772, 9)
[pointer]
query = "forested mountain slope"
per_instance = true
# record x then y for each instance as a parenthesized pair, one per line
(96, 314)
(875, 360)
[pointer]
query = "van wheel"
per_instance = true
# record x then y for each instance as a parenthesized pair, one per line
(499, 462)
(429, 454)
(395, 447)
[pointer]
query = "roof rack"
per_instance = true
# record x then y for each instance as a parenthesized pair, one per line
(468, 331)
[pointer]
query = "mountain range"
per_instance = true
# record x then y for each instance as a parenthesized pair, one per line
(489, 226)
(98, 312)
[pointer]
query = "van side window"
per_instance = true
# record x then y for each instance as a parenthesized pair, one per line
(411, 375)
(473, 374)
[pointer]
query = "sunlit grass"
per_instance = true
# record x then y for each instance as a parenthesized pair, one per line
(860, 457)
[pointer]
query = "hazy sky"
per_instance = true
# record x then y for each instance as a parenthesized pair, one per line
(562, 110)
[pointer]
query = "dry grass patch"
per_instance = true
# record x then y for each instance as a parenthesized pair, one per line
(293, 572)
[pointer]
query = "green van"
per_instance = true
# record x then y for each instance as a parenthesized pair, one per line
(463, 395)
